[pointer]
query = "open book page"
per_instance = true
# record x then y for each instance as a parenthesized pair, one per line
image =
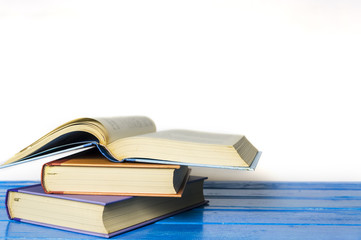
(121, 127)
(196, 137)
(82, 130)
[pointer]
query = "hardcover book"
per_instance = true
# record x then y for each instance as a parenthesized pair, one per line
(98, 215)
(94, 174)
(136, 139)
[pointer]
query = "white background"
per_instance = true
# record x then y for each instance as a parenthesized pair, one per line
(284, 73)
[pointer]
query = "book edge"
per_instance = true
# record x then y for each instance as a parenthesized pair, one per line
(118, 231)
(7, 197)
(178, 194)
(158, 161)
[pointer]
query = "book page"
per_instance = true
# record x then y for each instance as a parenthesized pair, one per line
(197, 137)
(121, 127)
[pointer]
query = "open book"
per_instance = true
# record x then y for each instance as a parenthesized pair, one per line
(135, 139)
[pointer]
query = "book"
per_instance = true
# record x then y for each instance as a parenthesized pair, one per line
(92, 173)
(136, 139)
(98, 215)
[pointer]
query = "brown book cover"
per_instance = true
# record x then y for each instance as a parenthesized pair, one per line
(97, 162)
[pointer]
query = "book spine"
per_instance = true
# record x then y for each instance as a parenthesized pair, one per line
(103, 150)
(7, 199)
(42, 181)
(7, 202)
(49, 164)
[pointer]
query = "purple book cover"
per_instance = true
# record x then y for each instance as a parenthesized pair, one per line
(95, 199)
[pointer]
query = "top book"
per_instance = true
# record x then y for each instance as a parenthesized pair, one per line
(135, 139)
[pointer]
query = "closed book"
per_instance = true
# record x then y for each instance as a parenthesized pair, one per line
(96, 175)
(98, 215)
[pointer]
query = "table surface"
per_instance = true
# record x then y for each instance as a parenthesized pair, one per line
(237, 210)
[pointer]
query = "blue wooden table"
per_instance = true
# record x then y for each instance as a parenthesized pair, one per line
(238, 210)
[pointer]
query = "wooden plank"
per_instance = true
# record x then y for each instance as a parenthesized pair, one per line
(226, 232)
(196, 231)
(265, 217)
(287, 204)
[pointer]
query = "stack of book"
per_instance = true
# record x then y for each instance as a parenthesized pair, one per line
(117, 174)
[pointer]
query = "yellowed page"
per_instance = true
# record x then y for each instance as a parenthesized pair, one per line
(121, 127)
(196, 137)
(106, 130)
